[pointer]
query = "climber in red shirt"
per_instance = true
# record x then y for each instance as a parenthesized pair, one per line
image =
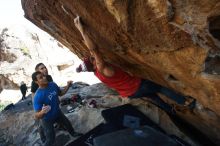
(125, 84)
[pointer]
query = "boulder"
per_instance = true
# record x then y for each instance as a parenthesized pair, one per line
(173, 43)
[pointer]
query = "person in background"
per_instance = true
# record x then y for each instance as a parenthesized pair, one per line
(126, 85)
(23, 89)
(46, 106)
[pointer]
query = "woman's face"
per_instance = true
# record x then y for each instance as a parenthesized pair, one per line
(42, 68)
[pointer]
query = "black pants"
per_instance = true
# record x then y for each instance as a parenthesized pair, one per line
(150, 89)
(49, 128)
(40, 130)
(23, 94)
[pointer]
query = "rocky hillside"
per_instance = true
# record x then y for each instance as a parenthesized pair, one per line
(174, 43)
(21, 49)
(17, 125)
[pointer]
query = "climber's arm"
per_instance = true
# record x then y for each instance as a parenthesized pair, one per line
(99, 62)
(39, 114)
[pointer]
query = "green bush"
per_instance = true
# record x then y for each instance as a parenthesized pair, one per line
(2, 106)
(26, 51)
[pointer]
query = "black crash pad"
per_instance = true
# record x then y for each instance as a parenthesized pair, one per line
(119, 118)
(144, 136)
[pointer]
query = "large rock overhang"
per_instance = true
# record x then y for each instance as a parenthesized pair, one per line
(174, 43)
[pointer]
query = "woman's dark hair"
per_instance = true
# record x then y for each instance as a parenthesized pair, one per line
(39, 64)
(34, 75)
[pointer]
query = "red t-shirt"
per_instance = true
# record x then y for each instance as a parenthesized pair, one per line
(121, 81)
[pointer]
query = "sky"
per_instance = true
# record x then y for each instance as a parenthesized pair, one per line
(11, 13)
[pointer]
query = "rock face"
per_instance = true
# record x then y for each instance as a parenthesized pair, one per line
(22, 48)
(174, 43)
(6, 83)
(18, 127)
